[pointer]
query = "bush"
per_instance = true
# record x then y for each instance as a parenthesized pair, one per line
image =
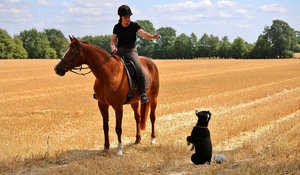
(297, 48)
(288, 54)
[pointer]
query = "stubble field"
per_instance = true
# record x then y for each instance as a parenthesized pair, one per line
(51, 124)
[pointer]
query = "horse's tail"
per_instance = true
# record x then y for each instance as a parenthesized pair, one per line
(144, 115)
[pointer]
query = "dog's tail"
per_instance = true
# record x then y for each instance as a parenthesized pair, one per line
(144, 115)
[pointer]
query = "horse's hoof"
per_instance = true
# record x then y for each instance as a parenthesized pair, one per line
(153, 141)
(137, 141)
(120, 149)
(120, 152)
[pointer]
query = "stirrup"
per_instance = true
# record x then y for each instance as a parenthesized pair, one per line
(144, 98)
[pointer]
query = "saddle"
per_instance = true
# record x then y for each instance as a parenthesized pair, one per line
(132, 77)
(131, 72)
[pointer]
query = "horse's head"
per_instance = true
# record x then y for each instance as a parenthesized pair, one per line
(71, 59)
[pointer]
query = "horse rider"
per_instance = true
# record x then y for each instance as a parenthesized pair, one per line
(124, 34)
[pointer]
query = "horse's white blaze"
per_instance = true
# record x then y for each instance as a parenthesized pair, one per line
(66, 53)
(120, 149)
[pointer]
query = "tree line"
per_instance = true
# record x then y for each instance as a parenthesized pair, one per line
(277, 41)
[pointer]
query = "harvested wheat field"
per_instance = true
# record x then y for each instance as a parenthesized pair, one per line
(52, 125)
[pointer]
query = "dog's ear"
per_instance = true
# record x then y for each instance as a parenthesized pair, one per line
(208, 115)
(208, 118)
(197, 113)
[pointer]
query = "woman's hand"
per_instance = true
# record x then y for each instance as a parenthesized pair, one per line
(114, 49)
(113, 41)
(147, 35)
(155, 36)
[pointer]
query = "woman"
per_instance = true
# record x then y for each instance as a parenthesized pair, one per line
(124, 33)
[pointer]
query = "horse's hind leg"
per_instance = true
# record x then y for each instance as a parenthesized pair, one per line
(137, 117)
(153, 104)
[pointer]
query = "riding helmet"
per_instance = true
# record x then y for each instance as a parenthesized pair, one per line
(124, 10)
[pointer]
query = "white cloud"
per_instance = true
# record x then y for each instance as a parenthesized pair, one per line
(93, 7)
(14, 1)
(225, 15)
(230, 9)
(244, 26)
(11, 12)
(225, 4)
(43, 2)
(244, 13)
(188, 5)
(273, 8)
(188, 18)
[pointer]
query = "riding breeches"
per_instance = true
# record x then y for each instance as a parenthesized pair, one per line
(132, 54)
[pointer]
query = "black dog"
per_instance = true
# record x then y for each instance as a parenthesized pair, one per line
(200, 138)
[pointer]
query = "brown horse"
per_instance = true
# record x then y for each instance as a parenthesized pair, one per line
(112, 86)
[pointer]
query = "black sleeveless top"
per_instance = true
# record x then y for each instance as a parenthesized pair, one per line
(126, 35)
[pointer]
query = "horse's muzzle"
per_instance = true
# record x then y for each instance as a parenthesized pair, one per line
(59, 71)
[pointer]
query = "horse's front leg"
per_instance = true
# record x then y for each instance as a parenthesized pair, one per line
(104, 112)
(137, 117)
(119, 117)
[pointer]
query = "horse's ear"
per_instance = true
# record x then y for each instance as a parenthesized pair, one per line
(75, 40)
(71, 39)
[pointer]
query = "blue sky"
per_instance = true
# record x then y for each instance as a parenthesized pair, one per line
(232, 18)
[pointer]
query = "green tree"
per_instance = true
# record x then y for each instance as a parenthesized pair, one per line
(298, 36)
(238, 48)
(49, 53)
(282, 38)
(164, 45)
(249, 48)
(37, 44)
(11, 47)
(224, 50)
(145, 47)
(203, 47)
(214, 45)
(194, 45)
(18, 51)
(57, 41)
(101, 41)
(182, 47)
(6, 45)
(262, 48)
(208, 46)
(297, 48)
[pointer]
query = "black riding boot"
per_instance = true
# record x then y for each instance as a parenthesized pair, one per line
(141, 85)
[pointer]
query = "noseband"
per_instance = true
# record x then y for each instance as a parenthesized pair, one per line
(69, 63)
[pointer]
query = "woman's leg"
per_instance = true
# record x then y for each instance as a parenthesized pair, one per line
(132, 54)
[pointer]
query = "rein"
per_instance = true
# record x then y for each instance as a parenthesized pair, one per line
(73, 70)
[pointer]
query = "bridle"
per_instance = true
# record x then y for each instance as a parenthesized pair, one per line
(74, 55)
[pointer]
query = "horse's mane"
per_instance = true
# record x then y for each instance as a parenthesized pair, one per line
(101, 50)
(95, 46)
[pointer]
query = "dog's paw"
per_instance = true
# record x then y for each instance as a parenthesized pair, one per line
(188, 138)
(193, 147)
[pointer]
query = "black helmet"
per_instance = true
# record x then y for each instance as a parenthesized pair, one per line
(124, 10)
